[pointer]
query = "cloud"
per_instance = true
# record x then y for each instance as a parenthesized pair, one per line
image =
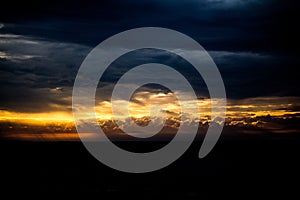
(31, 68)
(218, 25)
(42, 45)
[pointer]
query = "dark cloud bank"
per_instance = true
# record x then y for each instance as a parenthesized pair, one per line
(254, 43)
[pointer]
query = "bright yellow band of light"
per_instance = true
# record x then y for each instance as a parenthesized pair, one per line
(238, 113)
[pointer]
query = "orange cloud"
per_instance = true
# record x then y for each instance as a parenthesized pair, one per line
(252, 112)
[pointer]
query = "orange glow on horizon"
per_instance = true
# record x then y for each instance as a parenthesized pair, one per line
(60, 125)
(37, 118)
(103, 111)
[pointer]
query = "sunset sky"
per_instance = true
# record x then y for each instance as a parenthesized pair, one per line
(251, 42)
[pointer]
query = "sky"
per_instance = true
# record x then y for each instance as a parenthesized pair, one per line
(254, 43)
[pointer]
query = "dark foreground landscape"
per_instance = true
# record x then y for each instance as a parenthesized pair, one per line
(250, 166)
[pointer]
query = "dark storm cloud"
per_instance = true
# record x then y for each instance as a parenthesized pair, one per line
(28, 100)
(37, 75)
(40, 63)
(247, 74)
(217, 24)
(42, 43)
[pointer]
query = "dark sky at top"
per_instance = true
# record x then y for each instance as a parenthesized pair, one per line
(261, 25)
(254, 43)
